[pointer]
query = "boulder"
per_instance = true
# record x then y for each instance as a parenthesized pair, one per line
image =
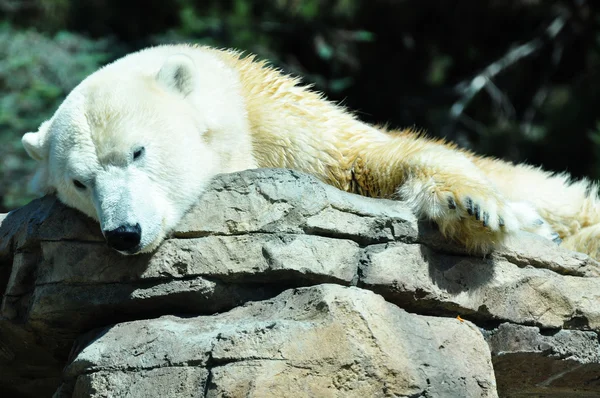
(254, 241)
(320, 341)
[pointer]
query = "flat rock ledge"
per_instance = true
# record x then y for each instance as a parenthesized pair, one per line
(278, 285)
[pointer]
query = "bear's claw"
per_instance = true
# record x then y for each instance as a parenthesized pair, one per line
(486, 219)
(451, 203)
(477, 212)
(556, 238)
(469, 206)
(500, 222)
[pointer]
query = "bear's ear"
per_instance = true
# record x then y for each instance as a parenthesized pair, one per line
(36, 144)
(178, 73)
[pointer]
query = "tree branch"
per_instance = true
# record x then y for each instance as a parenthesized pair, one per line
(469, 89)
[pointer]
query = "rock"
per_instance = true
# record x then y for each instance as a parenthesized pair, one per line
(530, 251)
(326, 341)
(253, 236)
(556, 363)
(285, 201)
(486, 290)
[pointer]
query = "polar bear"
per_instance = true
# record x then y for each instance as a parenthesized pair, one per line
(135, 144)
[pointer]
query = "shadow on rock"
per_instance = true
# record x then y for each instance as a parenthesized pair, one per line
(457, 273)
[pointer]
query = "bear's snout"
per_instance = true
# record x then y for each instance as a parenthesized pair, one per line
(124, 238)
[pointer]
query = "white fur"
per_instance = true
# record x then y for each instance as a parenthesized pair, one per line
(198, 112)
(185, 110)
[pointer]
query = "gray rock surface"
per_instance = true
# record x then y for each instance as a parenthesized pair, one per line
(416, 277)
(565, 363)
(322, 341)
(254, 236)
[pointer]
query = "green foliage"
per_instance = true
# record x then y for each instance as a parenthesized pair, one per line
(36, 73)
(267, 29)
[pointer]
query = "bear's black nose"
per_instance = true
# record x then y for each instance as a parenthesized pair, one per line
(125, 237)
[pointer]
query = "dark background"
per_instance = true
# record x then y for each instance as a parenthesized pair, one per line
(517, 79)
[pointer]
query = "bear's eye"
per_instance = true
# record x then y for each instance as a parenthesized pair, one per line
(78, 184)
(138, 153)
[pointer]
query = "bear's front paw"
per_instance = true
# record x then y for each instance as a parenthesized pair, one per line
(531, 221)
(470, 212)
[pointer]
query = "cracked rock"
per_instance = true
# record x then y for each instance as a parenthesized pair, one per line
(257, 234)
(327, 341)
(552, 363)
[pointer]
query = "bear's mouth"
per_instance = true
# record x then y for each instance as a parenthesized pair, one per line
(140, 248)
(130, 252)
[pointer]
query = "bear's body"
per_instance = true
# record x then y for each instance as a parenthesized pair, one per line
(134, 145)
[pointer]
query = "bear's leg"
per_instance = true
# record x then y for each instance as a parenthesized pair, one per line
(531, 221)
(587, 241)
(567, 205)
(449, 189)
(471, 212)
(445, 186)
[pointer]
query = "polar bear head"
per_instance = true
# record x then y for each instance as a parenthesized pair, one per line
(134, 145)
